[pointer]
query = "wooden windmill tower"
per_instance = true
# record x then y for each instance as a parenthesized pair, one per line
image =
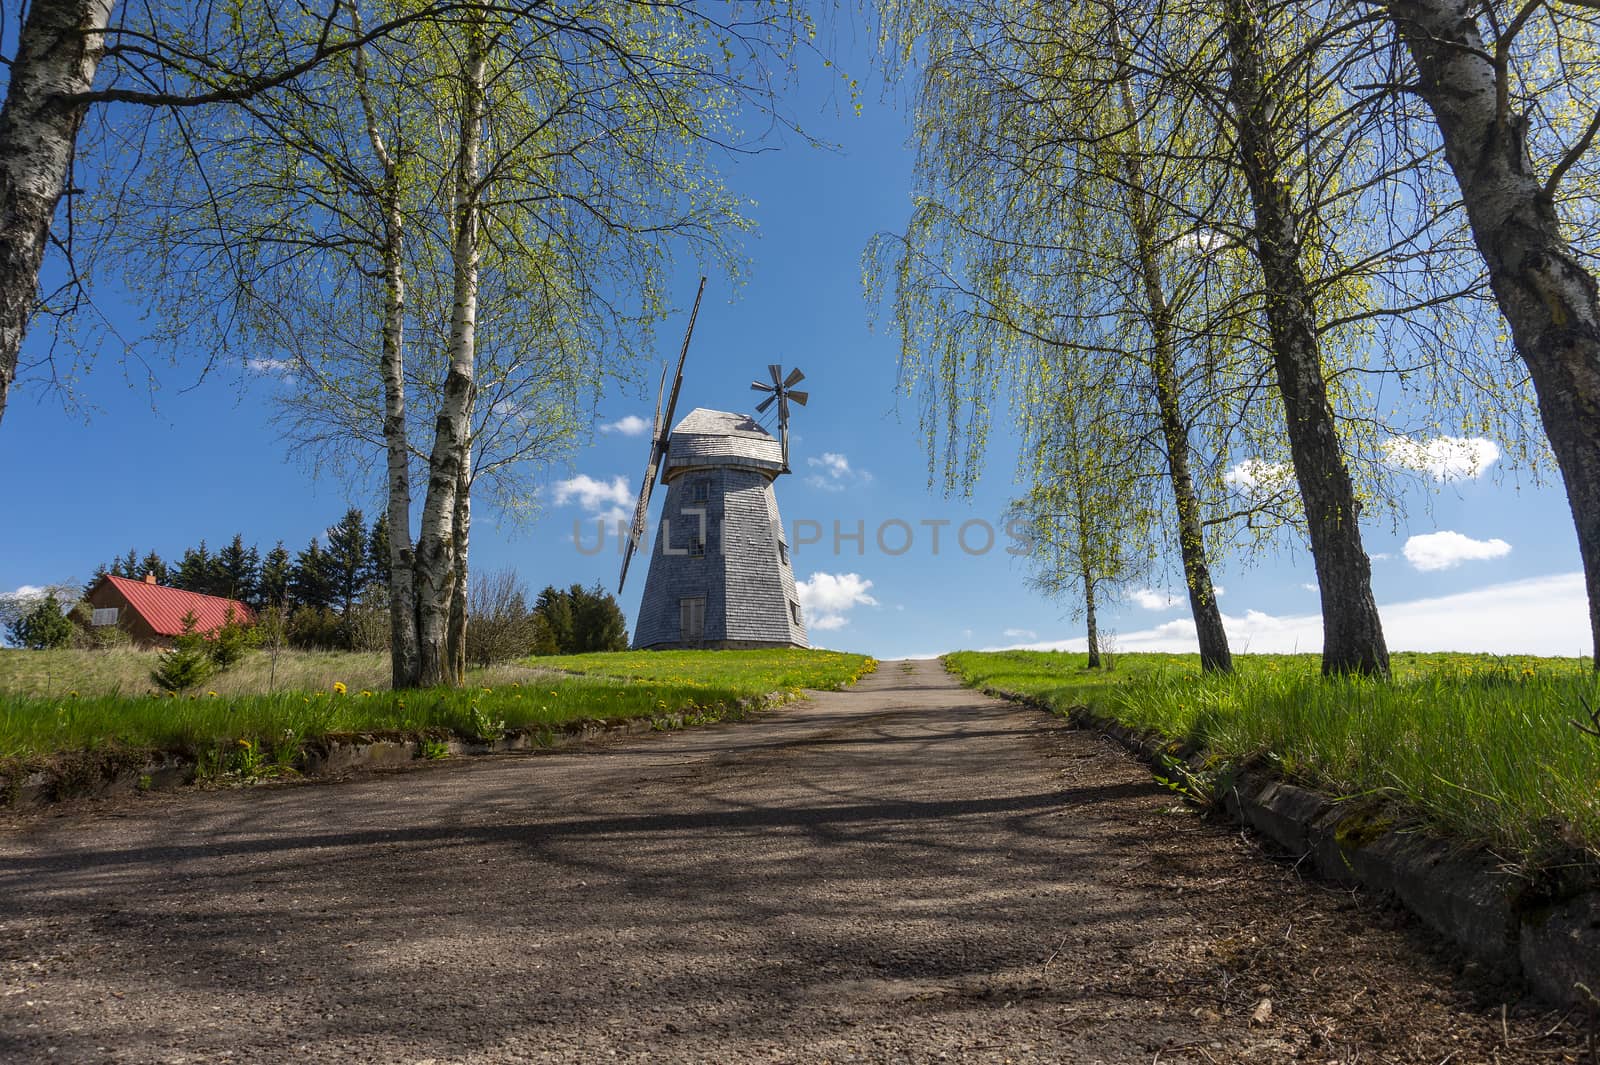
(720, 574)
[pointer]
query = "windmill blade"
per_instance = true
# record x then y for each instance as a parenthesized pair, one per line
(794, 378)
(658, 444)
(661, 393)
(800, 397)
(764, 404)
(777, 372)
(683, 353)
(759, 387)
(641, 512)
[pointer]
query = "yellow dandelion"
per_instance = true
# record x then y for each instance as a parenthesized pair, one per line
(212, 694)
(339, 688)
(366, 693)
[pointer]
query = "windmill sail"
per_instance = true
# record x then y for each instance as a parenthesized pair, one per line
(658, 444)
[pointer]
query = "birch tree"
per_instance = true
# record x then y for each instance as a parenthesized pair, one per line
(1045, 247)
(1513, 90)
(577, 148)
(158, 58)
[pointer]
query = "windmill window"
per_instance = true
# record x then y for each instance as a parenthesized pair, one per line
(700, 491)
(104, 615)
(697, 547)
(794, 611)
(692, 618)
(783, 552)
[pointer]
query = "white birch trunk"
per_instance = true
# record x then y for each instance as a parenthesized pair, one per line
(405, 666)
(436, 538)
(1547, 296)
(58, 50)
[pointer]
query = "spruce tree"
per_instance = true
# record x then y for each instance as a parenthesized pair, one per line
(153, 564)
(237, 569)
(312, 582)
(347, 560)
(42, 628)
(99, 571)
(194, 570)
(272, 584)
(378, 569)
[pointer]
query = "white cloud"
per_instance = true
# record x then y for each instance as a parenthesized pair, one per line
(1255, 478)
(594, 495)
(1380, 556)
(1021, 634)
(834, 472)
(1445, 550)
(627, 425)
(1311, 587)
(1150, 599)
(828, 597)
(1444, 458)
(1537, 616)
(1204, 241)
(270, 366)
(29, 591)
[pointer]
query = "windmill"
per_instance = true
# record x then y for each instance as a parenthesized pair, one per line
(720, 574)
(782, 389)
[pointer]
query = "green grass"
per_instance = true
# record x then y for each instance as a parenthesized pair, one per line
(611, 687)
(776, 670)
(1481, 748)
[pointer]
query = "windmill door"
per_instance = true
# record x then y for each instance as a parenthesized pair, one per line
(692, 619)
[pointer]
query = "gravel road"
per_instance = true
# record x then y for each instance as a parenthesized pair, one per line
(903, 872)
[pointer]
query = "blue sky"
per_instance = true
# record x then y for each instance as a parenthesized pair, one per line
(160, 472)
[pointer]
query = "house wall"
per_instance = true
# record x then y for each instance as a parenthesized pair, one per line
(105, 594)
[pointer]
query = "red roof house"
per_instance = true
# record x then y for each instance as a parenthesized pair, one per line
(153, 614)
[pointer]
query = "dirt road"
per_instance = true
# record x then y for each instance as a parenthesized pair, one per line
(903, 872)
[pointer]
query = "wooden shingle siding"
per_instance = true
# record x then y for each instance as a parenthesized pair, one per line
(747, 587)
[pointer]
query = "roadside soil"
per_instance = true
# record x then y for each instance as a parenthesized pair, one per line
(907, 871)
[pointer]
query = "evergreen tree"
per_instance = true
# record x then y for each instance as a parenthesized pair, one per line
(186, 664)
(237, 569)
(272, 584)
(194, 570)
(312, 582)
(555, 607)
(42, 628)
(597, 621)
(346, 558)
(378, 569)
(99, 571)
(130, 565)
(153, 563)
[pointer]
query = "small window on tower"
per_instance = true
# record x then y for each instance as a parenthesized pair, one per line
(697, 547)
(701, 491)
(783, 552)
(794, 611)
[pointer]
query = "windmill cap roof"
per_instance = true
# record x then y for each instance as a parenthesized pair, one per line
(721, 438)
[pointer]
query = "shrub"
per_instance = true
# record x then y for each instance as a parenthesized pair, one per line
(187, 663)
(499, 624)
(229, 643)
(43, 628)
(315, 629)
